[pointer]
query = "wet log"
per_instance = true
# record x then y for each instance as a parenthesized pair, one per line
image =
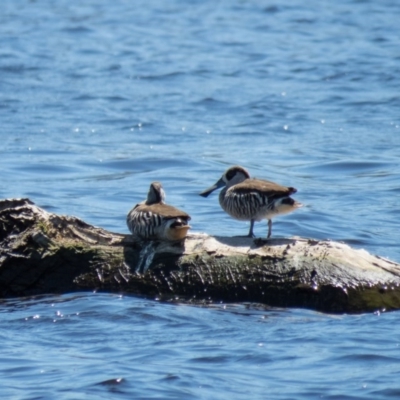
(43, 253)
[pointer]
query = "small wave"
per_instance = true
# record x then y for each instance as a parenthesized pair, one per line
(160, 77)
(347, 166)
(18, 68)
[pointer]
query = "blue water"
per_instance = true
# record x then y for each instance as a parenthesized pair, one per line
(97, 99)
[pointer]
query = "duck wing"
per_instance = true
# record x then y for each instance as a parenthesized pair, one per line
(163, 210)
(264, 188)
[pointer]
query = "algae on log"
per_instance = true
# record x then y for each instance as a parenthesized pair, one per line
(41, 253)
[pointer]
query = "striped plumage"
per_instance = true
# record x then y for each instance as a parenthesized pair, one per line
(252, 200)
(152, 219)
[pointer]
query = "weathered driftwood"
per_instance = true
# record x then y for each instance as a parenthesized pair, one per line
(41, 252)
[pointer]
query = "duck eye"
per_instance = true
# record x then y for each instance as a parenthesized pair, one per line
(230, 174)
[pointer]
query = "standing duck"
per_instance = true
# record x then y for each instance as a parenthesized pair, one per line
(248, 199)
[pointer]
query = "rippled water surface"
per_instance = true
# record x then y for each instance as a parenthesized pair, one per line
(97, 99)
(108, 346)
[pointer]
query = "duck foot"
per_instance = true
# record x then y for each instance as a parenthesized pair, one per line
(259, 242)
(245, 236)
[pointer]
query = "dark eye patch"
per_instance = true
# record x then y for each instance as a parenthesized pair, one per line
(230, 174)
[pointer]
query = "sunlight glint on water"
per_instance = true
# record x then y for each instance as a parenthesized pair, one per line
(99, 99)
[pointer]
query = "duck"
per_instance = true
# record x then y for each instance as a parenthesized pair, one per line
(250, 199)
(153, 219)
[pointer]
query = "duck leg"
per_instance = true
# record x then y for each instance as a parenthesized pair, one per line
(251, 233)
(269, 228)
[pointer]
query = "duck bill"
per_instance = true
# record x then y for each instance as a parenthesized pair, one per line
(178, 233)
(216, 186)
